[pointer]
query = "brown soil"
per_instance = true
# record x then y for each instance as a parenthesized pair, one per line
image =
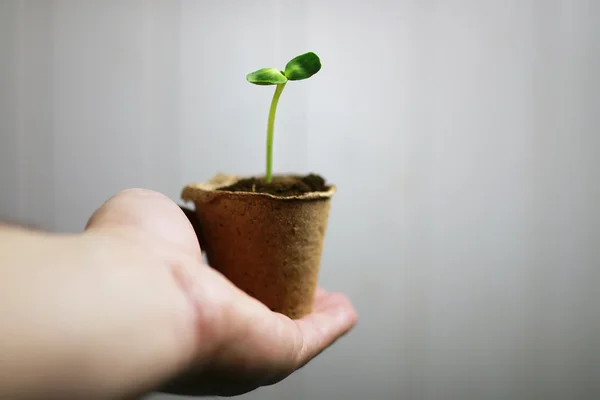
(281, 185)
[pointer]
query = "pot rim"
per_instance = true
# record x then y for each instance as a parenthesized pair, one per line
(212, 187)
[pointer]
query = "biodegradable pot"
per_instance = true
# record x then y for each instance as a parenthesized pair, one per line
(269, 246)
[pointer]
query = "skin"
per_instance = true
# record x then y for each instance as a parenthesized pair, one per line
(127, 307)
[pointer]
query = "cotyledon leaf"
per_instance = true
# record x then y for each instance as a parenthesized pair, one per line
(266, 76)
(302, 67)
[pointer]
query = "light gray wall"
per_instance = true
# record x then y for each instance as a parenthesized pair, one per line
(464, 137)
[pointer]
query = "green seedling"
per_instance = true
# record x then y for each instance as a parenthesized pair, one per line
(302, 67)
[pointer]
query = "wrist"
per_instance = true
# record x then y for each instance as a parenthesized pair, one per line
(87, 316)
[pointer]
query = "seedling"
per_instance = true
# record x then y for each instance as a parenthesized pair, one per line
(302, 67)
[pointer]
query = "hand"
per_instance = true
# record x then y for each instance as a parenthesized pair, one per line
(226, 342)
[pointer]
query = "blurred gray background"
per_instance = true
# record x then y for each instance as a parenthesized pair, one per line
(464, 137)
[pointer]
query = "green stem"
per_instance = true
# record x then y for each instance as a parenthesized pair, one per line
(270, 127)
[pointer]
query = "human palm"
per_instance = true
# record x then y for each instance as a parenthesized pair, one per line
(225, 342)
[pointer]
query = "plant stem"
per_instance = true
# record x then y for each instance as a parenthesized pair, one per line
(270, 127)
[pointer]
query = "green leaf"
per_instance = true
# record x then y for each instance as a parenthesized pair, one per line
(303, 67)
(266, 76)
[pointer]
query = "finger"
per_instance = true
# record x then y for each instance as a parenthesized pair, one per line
(332, 318)
(282, 344)
(320, 295)
(252, 346)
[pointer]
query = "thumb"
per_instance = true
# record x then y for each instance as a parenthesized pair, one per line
(141, 211)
